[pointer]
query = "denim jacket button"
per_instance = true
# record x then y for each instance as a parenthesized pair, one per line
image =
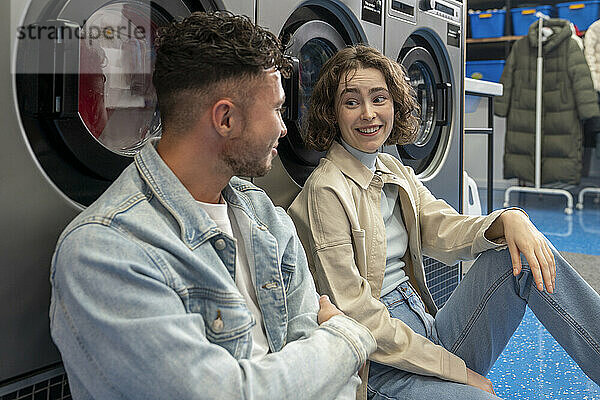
(217, 325)
(220, 244)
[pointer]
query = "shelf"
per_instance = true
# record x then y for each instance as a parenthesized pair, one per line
(479, 131)
(498, 48)
(494, 39)
(503, 39)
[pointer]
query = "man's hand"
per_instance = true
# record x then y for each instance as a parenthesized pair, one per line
(480, 382)
(326, 309)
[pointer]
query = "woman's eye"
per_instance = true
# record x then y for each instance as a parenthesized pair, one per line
(351, 103)
(379, 99)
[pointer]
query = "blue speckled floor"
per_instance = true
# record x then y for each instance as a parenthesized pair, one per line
(534, 366)
(577, 233)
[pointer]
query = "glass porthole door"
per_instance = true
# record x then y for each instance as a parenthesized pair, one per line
(433, 96)
(84, 87)
(312, 44)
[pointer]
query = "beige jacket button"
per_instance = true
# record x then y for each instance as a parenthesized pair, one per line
(220, 244)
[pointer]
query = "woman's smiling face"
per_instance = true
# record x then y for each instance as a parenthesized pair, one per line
(365, 109)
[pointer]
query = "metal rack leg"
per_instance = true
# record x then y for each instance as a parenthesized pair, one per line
(568, 210)
(490, 142)
(582, 193)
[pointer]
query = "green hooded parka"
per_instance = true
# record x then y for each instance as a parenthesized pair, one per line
(568, 98)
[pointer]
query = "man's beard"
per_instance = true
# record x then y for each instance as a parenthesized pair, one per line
(245, 159)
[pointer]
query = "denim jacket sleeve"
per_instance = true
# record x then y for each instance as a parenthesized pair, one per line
(124, 331)
(303, 308)
(302, 297)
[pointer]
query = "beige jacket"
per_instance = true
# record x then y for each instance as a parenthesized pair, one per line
(338, 218)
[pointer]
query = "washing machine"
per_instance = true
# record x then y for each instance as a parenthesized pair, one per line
(426, 37)
(313, 31)
(77, 103)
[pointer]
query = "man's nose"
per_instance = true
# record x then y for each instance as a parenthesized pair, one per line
(283, 130)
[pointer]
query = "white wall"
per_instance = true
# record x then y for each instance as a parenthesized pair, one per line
(475, 147)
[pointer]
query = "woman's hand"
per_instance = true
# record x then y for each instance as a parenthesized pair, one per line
(479, 381)
(523, 237)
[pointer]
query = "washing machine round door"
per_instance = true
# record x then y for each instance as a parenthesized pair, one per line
(433, 94)
(312, 44)
(84, 87)
(313, 33)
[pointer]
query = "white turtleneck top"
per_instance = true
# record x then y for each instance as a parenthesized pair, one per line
(395, 231)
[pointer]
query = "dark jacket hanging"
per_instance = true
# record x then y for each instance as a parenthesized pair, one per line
(568, 97)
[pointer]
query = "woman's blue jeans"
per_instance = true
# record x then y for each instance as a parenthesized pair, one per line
(480, 317)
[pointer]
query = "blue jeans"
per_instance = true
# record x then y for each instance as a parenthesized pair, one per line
(480, 317)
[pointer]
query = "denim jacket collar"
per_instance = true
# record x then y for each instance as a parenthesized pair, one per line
(195, 224)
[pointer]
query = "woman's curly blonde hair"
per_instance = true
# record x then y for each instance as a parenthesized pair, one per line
(320, 126)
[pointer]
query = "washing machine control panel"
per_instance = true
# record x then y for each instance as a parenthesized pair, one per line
(426, 5)
(442, 9)
(405, 10)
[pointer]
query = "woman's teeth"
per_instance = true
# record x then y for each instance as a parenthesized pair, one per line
(368, 130)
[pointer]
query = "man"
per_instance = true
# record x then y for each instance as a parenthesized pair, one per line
(183, 281)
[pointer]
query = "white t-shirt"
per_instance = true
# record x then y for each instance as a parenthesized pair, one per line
(243, 276)
(226, 220)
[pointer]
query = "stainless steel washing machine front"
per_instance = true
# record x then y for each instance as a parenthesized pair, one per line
(313, 31)
(426, 37)
(72, 121)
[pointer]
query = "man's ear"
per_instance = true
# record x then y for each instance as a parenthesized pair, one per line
(224, 117)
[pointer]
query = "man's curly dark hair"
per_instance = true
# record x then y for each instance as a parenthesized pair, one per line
(208, 55)
(320, 125)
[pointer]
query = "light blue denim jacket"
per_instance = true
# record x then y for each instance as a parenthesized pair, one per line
(144, 302)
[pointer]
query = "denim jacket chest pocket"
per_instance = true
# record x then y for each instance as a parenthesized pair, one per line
(227, 320)
(287, 272)
(288, 267)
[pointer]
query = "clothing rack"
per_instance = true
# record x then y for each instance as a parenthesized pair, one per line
(590, 189)
(582, 193)
(538, 134)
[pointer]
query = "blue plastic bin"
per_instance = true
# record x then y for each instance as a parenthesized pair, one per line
(487, 70)
(471, 103)
(486, 24)
(523, 17)
(581, 13)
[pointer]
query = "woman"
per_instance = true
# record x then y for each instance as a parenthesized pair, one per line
(365, 220)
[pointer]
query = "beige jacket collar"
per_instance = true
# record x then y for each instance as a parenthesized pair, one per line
(359, 173)
(350, 165)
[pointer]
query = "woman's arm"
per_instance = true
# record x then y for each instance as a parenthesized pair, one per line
(449, 237)
(523, 237)
(322, 218)
(446, 235)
